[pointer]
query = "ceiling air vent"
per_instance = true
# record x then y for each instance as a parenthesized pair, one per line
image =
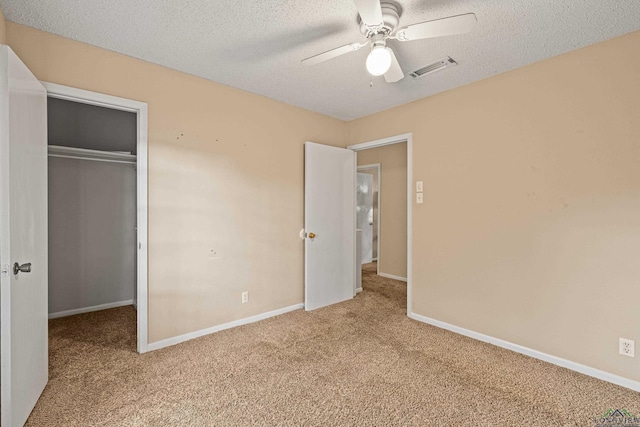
(438, 65)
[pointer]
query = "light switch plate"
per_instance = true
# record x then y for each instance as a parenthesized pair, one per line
(419, 198)
(419, 186)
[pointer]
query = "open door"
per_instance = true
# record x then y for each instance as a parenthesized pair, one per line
(364, 216)
(23, 239)
(329, 218)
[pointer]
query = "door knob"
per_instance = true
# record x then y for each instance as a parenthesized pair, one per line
(312, 235)
(25, 268)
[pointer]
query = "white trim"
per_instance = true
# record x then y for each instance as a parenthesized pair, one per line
(379, 252)
(92, 98)
(574, 366)
(381, 142)
(358, 290)
(141, 110)
(356, 262)
(391, 276)
(90, 309)
(379, 168)
(408, 138)
(202, 332)
(409, 223)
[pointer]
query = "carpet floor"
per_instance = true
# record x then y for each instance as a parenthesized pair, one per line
(361, 362)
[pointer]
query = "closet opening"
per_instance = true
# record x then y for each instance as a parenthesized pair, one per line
(92, 233)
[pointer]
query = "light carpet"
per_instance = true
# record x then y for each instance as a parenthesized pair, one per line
(359, 363)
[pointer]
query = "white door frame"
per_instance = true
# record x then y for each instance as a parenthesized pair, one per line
(376, 166)
(408, 138)
(141, 110)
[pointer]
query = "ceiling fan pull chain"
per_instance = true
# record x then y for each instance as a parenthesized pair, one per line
(370, 81)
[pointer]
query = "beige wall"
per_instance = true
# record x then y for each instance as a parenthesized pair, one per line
(3, 28)
(531, 224)
(530, 230)
(393, 206)
(225, 175)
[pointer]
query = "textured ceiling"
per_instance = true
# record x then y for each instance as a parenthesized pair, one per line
(258, 45)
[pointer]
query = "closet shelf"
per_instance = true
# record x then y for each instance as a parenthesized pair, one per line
(86, 154)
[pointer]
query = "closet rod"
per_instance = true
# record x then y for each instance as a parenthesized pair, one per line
(94, 155)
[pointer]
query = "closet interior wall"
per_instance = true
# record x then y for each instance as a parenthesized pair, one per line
(92, 209)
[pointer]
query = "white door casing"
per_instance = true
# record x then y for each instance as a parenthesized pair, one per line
(141, 110)
(329, 211)
(398, 139)
(23, 238)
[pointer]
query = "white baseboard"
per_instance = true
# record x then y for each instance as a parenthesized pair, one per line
(391, 276)
(358, 290)
(574, 366)
(90, 309)
(202, 332)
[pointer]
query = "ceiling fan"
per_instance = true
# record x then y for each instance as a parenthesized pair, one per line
(378, 22)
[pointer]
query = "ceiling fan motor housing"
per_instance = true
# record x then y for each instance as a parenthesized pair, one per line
(390, 18)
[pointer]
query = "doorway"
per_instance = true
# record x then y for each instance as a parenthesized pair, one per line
(120, 157)
(398, 242)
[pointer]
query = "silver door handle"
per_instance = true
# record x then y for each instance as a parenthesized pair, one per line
(25, 268)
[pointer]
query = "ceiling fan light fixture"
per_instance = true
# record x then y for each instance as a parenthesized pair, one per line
(379, 60)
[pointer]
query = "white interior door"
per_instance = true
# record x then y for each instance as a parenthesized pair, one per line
(329, 217)
(364, 215)
(23, 238)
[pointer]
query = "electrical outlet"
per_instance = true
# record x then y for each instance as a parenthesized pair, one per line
(245, 297)
(627, 347)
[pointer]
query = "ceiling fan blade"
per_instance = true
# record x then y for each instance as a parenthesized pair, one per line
(370, 11)
(452, 25)
(395, 72)
(333, 53)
